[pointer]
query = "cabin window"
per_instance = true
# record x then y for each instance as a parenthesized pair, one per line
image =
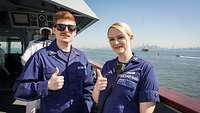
(11, 45)
(16, 47)
(3, 46)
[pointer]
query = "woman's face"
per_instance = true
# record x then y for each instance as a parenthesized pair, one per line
(119, 41)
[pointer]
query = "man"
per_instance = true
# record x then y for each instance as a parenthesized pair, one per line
(59, 74)
(35, 45)
(2, 57)
(2, 61)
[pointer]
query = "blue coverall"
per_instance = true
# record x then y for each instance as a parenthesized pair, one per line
(137, 83)
(74, 97)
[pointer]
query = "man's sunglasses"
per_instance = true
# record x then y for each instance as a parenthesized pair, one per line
(62, 27)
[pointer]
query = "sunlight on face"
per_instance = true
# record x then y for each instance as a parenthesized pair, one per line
(65, 36)
(119, 40)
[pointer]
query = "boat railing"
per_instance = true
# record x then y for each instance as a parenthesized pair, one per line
(172, 99)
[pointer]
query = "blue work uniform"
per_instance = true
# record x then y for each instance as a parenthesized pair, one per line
(74, 97)
(136, 84)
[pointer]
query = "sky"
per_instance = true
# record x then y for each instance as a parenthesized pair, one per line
(163, 23)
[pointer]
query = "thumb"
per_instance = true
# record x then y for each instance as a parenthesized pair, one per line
(56, 73)
(98, 72)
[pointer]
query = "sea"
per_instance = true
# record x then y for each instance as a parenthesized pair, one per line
(177, 69)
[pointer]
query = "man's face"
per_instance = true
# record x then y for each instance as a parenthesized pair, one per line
(65, 30)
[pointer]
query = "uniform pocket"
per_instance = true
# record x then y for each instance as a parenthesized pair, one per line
(124, 88)
(76, 78)
(127, 84)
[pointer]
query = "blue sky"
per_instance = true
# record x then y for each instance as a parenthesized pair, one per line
(164, 23)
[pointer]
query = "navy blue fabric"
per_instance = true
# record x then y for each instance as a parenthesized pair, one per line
(137, 83)
(74, 97)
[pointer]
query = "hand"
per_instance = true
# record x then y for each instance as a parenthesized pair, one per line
(101, 82)
(56, 81)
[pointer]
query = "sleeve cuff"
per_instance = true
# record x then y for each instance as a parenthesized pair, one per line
(149, 96)
(43, 88)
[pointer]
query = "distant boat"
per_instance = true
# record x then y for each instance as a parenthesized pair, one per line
(145, 49)
(188, 57)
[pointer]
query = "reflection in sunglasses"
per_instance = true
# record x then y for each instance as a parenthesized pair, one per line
(62, 27)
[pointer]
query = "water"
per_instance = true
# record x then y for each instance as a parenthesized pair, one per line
(177, 69)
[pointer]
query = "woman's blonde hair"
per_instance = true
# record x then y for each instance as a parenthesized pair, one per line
(122, 25)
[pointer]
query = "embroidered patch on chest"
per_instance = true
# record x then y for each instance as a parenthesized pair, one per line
(130, 76)
(81, 67)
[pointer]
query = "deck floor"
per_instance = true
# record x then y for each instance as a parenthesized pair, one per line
(19, 107)
(8, 105)
(15, 107)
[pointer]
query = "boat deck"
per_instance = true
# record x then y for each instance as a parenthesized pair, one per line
(14, 108)
(19, 107)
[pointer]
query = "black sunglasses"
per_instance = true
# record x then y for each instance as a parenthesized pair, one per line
(62, 27)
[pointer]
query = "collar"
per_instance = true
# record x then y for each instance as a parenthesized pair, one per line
(134, 59)
(53, 49)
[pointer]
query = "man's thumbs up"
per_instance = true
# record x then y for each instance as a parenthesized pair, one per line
(56, 81)
(56, 73)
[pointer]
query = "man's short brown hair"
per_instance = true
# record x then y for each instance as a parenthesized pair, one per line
(63, 15)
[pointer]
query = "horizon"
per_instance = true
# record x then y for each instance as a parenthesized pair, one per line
(141, 47)
(166, 24)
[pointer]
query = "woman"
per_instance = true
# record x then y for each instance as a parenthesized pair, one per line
(127, 84)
